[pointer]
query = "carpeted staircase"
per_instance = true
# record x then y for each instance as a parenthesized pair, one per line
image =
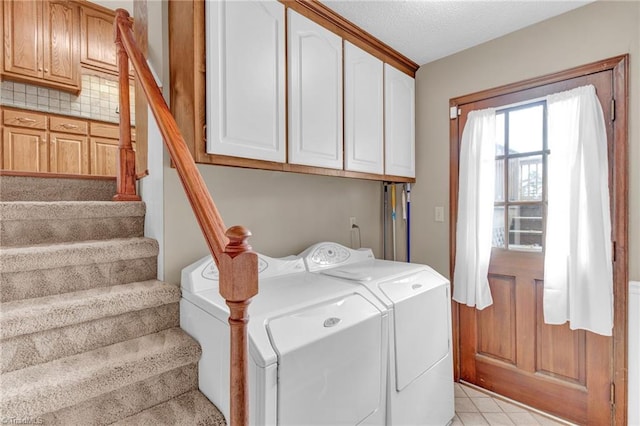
(88, 336)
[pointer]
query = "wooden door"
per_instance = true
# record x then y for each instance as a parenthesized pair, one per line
(61, 43)
(507, 347)
(22, 23)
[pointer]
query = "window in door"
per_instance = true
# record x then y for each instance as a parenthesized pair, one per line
(521, 158)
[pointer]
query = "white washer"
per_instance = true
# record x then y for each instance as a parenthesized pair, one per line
(420, 387)
(317, 346)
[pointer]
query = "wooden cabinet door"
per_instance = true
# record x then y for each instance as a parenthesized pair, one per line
(97, 46)
(25, 150)
(68, 154)
(315, 94)
(363, 114)
(22, 23)
(104, 155)
(61, 43)
(399, 130)
(245, 68)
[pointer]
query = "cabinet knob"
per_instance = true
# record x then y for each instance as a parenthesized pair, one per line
(39, 69)
(69, 126)
(25, 120)
(46, 70)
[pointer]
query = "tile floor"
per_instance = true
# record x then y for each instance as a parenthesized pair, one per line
(474, 407)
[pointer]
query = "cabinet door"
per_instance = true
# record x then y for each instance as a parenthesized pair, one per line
(363, 115)
(60, 42)
(68, 154)
(97, 47)
(104, 154)
(399, 130)
(25, 150)
(22, 23)
(315, 94)
(246, 83)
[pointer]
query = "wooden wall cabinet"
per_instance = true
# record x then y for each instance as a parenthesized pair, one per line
(41, 43)
(399, 130)
(246, 74)
(98, 49)
(315, 94)
(363, 111)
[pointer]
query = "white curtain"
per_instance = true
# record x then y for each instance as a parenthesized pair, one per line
(475, 210)
(578, 277)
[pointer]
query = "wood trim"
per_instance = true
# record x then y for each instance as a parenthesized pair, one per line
(329, 19)
(54, 175)
(141, 30)
(224, 160)
(620, 67)
(621, 236)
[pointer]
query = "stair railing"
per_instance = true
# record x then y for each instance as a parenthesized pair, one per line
(237, 263)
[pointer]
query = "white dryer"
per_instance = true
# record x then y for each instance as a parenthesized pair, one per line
(420, 388)
(317, 346)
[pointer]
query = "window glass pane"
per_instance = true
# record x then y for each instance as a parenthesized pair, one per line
(525, 227)
(498, 227)
(500, 133)
(525, 130)
(525, 178)
(499, 180)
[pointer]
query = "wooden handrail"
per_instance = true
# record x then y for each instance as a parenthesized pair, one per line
(237, 263)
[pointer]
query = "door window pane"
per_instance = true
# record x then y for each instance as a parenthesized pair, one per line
(525, 130)
(499, 180)
(525, 178)
(525, 227)
(498, 227)
(499, 134)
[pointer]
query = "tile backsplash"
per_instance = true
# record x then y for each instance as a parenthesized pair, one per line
(98, 99)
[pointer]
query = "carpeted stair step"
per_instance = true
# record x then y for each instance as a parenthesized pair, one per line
(72, 381)
(44, 346)
(191, 408)
(127, 401)
(27, 223)
(44, 270)
(48, 188)
(50, 312)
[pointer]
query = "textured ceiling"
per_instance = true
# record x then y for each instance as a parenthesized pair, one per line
(426, 30)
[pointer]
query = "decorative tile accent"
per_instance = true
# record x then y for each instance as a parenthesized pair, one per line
(98, 99)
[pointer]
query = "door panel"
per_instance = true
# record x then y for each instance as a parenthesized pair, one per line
(507, 347)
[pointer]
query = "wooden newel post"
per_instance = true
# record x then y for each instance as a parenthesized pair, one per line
(126, 160)
(238, 268)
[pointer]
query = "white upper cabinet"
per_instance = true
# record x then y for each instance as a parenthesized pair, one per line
(399, 132)
(363, 114)
(246, 79)
(315, 94)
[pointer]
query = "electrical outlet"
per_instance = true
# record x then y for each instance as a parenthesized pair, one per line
(352, 221)
(439, 214)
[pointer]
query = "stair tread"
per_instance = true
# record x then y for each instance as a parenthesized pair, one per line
(54, 210)
(188, 409)
(48, 256)
(68, 381)
(28, 316)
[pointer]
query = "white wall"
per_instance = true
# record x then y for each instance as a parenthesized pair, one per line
(597, 31)
(116, 4)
